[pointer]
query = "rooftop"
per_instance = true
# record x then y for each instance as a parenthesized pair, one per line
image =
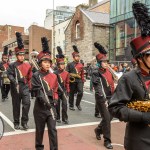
(97, 17)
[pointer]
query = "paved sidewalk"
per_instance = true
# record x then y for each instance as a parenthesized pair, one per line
(76, 138)
(87, 84)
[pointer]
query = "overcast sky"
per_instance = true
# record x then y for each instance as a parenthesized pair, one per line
(25, 12)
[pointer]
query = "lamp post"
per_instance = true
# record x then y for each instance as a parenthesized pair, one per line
(53, 30)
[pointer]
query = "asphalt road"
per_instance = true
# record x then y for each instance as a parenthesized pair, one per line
(75, 117)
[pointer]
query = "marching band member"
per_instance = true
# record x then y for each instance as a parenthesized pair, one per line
(45, 86)
(19, 74)
(103, 84)
(135, 86)
(76, 71)
(5, 82)
(63, 79)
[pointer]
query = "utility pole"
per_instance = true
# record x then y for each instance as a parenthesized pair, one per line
(53, 30)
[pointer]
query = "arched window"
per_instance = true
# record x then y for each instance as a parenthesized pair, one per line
(77, 30)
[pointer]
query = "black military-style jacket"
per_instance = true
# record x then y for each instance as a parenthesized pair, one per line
(96, 76)
(50, 83)
(76, 68)
(131, 87)
(22, 72)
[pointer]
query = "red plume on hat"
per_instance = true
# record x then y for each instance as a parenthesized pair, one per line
(5, 52)
(141, 44)
(20, 48)
(76, 51)
(102, 52)
(45, 53)
(59, 57)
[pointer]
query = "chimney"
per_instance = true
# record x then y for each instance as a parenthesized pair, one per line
(92, 2)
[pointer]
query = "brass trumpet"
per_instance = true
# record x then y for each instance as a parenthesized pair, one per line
(73, 76)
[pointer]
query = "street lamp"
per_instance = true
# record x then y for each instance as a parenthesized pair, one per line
(53, 31)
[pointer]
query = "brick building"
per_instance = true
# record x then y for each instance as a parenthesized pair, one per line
(85, 28)
(103, 6)
(31, 41)
(35, 34)
(7, 32)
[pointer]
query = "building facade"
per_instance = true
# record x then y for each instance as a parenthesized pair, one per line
(59, 38)
(35, 34)
(31, 41)
(123, 28)
(103, 6)
(7, 32)
(12, 43)
(54, 17)
(85, 28)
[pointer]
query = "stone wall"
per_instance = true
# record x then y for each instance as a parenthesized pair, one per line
(89, 35)
(101, 35)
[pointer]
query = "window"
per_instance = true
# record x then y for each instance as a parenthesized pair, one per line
(77, 30)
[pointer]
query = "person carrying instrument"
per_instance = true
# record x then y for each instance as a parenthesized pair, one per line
(45, 86)
(63, 79)
(134, 86)
(33, 58)
(103, 84)
(5, 82)
(76, 70)
(19, 74)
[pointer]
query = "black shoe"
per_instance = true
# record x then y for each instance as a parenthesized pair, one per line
(25, 126)
(98, 116)
(72, 108)
(108, 145)
(58, 120)
(3, 99)
(98, 136)
(16, 126)
(79, 107)
(65, 121)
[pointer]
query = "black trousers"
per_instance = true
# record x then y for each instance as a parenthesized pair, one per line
(62, 100)
(75, 87)
(24, 98)
(96, 108)
(105, 125)
(42, 118)
(5, 88)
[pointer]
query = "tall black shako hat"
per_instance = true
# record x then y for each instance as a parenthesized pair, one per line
(141, 44)
(60, 56)
(20, 46)
(102, 52)
(5, 51)
(45, 54)
(76, 51)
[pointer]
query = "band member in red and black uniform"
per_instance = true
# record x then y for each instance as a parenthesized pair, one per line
(45, 86)
(63, 79)
(135, 86)
(103, 84)
(5, 82)
(76, 71)
(19, 74)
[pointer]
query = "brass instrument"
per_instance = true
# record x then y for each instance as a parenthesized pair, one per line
(116, 75)
(5, 77)
(73, 76)
(33, 56)
(142, 106)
